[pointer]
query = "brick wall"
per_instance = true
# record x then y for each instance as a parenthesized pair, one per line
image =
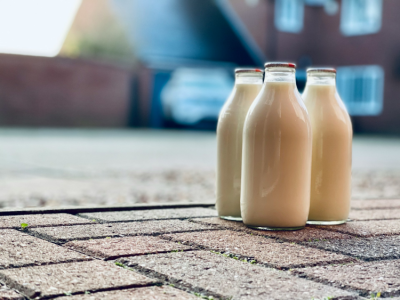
(61, 92)
(322, 41)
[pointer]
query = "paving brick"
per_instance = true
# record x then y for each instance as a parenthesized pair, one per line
(8, 294)
(127, 246)
(367, 228)
(41, 220)
(375, 214)
(225, 277)
(53, 280)
(307, 234)
(375, 204)
(143, 293)
(367, 277)
(18, 249)
(81, 232)
(375, 248)
(152, 214)
(266, 251)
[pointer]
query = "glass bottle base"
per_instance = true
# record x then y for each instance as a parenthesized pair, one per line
(276, 228)
(230, 218)
(312, 222)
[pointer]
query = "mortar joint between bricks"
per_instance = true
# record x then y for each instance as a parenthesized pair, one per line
(166, 280)
(126, 287)
(60, 241)
(243, 258)
(296, 273)
(355, 257)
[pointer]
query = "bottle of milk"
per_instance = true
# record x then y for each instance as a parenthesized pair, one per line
(276, 161)
(248, 83)
(331, 154)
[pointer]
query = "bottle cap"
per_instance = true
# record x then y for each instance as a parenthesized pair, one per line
(241, 70)
(321, 70)
(280, 64)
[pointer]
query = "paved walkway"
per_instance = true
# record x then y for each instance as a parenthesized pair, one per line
(187, 252)
(51, 168)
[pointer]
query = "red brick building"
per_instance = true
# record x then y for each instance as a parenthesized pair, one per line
(359, 37)
(324, 38)
(62, 92)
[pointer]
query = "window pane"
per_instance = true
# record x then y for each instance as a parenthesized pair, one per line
(361, 17)
(289, 15)
(361, 88)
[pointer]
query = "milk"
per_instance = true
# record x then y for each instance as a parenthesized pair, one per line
(229, 142)
(332, 145)
(276, 161)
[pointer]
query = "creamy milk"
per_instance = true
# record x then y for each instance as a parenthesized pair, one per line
(331, 158)
(229, 141)
(276, 157)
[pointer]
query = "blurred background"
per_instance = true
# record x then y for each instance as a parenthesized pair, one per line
(115, 102)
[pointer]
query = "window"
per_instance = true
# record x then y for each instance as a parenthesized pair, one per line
(361, 17)
(316, 2)
(361, 88)
(331, 7)
(289, 15)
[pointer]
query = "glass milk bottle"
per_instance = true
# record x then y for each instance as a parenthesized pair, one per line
(331, 154)
(248, 83)
(276, 162)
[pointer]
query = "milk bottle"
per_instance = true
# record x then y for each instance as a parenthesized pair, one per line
(331, 154)
(248, 83)
(276, 161)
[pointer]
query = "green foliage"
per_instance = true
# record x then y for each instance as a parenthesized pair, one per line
(117, 263)
(176, 251)
(203, 296)
(375, 296)
(230, 255)
(24, 225)
(68, 293)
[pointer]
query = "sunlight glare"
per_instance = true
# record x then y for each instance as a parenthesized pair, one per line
(35, 27)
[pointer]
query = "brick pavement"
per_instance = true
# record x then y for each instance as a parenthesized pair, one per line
(310, 233)
(145, 293)
(161, 254)
(128, 246)
(19, 249)
(224, 277)
(262, 250)
(8, 294)
(41, 220)
(63, 234)
(155, 214)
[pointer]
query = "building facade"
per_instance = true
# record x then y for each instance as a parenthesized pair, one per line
(360, 38)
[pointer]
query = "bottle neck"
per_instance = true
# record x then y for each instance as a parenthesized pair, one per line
(321, 79)
(280, 74)
(249, 78)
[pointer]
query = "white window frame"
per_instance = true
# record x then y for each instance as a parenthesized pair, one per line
(361, 89)
(289, 15)
(360, 17)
